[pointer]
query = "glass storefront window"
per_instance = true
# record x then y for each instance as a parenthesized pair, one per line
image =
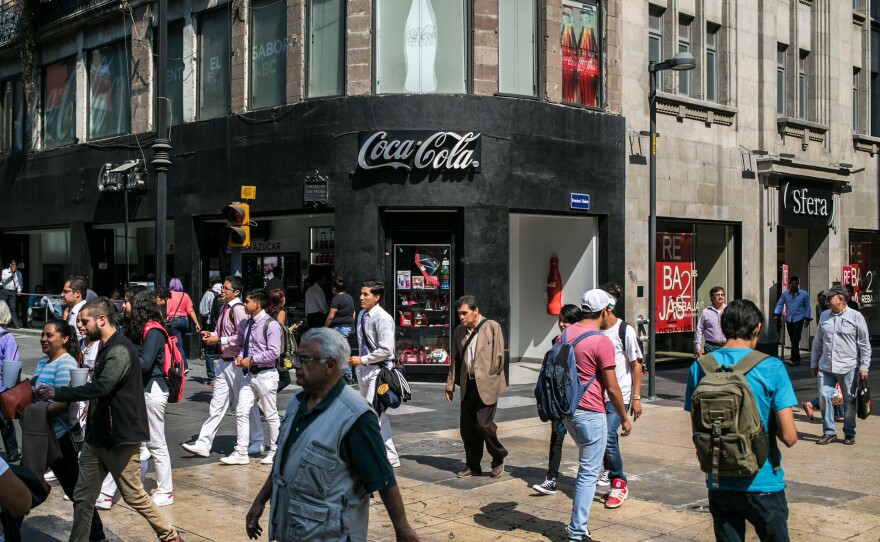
(421, 46)
(14, 120)
(109, 91)
(268, 53)
(326, 48)
(174, 73)
(692, 258)
(516, 47)
(581, 53)
(59, 103)
(864, 254)
(213, 60)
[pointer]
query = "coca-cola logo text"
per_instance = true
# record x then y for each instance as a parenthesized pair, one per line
(419, 149)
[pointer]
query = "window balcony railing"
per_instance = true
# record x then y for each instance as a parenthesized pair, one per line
(59, 9)
(10, 22)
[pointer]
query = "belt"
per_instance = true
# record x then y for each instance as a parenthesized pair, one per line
(254, 370)
(228, 359)
(714, 343)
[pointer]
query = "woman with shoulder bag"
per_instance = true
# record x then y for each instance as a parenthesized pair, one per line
(144, 326)
(58, 342)
(178, 307)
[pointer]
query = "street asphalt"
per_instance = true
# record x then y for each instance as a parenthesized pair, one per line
(833, 491)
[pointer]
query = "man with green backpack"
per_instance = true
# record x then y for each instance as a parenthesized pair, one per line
(740, 402)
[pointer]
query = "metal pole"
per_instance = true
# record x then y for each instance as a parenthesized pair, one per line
(235, 262)
(162, 147)
(652, 232)
(127, 270)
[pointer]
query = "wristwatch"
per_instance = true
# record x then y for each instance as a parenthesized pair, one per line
(637, 398)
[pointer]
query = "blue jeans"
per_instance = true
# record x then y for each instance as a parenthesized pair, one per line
(767, 512)
(590, 432)
(848, 385)
(179, 326)
(613, 461)
(346, 332)
(210, 351)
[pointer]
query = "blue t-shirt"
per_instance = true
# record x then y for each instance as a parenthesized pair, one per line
(56, 374)
(773, 392)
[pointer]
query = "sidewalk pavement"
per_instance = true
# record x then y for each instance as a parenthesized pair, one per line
(833, 491)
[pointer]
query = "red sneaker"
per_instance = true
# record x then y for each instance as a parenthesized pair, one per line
(618, 494)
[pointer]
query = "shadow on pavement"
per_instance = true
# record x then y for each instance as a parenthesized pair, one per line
(501, 516)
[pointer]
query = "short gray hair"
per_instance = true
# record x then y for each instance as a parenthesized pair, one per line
(331, 345)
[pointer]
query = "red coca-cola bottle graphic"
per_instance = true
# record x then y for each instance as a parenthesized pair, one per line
(588, 64)
(569, 58)
(554, 289)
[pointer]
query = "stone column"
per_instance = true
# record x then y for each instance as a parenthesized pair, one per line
(485, 35)
(358, 47)
(238, 68)
(296, 40)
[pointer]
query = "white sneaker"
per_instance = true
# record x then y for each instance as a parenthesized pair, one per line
(104, 502)
(163, 499)
(49, 476)
(395, 464)
(195, 449)
(65, 497)
(269, 459)
(603, 480)
(236, 458)
(145, 454)
(255, 448)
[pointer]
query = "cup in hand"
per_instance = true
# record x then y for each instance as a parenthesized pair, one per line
(11, 369)
(79, 376)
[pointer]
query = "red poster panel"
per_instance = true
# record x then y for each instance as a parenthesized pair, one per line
(675, 247)
(850, 276)
(674, 312)
(784, 277)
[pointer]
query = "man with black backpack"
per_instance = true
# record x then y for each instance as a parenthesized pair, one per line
(209, 308)
(737, 395)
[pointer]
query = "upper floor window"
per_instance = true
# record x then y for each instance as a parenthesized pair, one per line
(856, 102)
(655, 40)
(684, 46)
(711, 67)
(780, 80)
(874, 82)
(421, 46)
(59, 103)
(517, 51)
(326, 48)
(802, 84)
(581, 54)
(14, 119)
(109, 91)
(213, 58)
(268, 69)
(174, 74)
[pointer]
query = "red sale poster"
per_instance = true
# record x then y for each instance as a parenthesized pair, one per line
(674, 312)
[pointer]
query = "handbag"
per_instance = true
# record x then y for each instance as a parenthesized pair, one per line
(14, 399)
(863, 400)
(168, 320)
(837, 398)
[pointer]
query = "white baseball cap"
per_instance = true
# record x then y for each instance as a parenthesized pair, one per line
(595, 300)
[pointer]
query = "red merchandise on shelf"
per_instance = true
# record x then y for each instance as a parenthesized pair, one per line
(404, 318)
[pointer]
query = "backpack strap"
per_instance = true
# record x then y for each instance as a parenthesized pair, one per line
(579, 339)
(708, 364)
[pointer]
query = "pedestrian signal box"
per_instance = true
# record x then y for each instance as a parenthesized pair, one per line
(237, 232)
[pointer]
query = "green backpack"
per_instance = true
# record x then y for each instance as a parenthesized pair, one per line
(728, 433)
(288, 346)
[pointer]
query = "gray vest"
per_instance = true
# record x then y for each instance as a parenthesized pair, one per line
(315, 495)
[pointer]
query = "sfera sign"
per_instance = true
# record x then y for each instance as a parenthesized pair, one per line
(805, 205)
(419, 150)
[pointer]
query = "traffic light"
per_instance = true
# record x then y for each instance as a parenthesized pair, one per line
(237, 232)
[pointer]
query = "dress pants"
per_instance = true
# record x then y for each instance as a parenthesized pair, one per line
(226, 384)
(66, 470)
(477, 426)
(123, 463)
(262, 387)
(795, 330)
(367, 375)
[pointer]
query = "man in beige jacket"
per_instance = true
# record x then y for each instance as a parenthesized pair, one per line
(478, 366)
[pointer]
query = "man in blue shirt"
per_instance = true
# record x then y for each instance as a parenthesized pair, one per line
(797, 315)
(758, 499)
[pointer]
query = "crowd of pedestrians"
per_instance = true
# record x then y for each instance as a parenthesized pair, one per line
(331, 449)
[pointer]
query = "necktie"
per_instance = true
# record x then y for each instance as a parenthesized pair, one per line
(363, 346)
(247, 338)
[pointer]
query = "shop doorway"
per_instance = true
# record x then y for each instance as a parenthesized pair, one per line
(534, 239)
(800, 252)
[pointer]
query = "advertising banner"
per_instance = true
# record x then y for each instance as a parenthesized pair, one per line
(674, 312)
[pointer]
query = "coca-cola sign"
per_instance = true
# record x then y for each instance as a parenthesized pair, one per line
(419, 150)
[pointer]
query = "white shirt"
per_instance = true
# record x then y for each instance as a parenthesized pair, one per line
(71, 318)
(14, 284)
(316, 301)
(623, 358)
(841, 343)
(207, 300)
(379, 328)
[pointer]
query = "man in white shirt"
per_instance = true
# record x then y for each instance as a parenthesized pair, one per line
(316, 303)
(841, 353)
(375, 329)
(628, 369)
(10, 280)
(73, 295)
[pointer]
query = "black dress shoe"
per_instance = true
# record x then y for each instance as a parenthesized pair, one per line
(13, 457)
(849, 441)
(826, 439)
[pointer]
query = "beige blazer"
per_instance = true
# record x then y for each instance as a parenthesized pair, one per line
(488, 362)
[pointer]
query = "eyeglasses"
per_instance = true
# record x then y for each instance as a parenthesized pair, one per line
(225, 289)
(67, 291)
(302, 361)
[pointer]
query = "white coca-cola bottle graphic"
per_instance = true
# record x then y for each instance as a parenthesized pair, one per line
(420, 47)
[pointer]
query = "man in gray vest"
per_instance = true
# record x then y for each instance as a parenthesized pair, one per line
(330, 456)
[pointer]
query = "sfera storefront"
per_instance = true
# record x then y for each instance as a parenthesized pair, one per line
(440, 196)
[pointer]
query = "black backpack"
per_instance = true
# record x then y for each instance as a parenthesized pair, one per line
(559, 388)
(216, 305)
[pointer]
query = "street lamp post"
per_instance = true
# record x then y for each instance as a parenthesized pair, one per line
(162, 146)
(681, 61)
